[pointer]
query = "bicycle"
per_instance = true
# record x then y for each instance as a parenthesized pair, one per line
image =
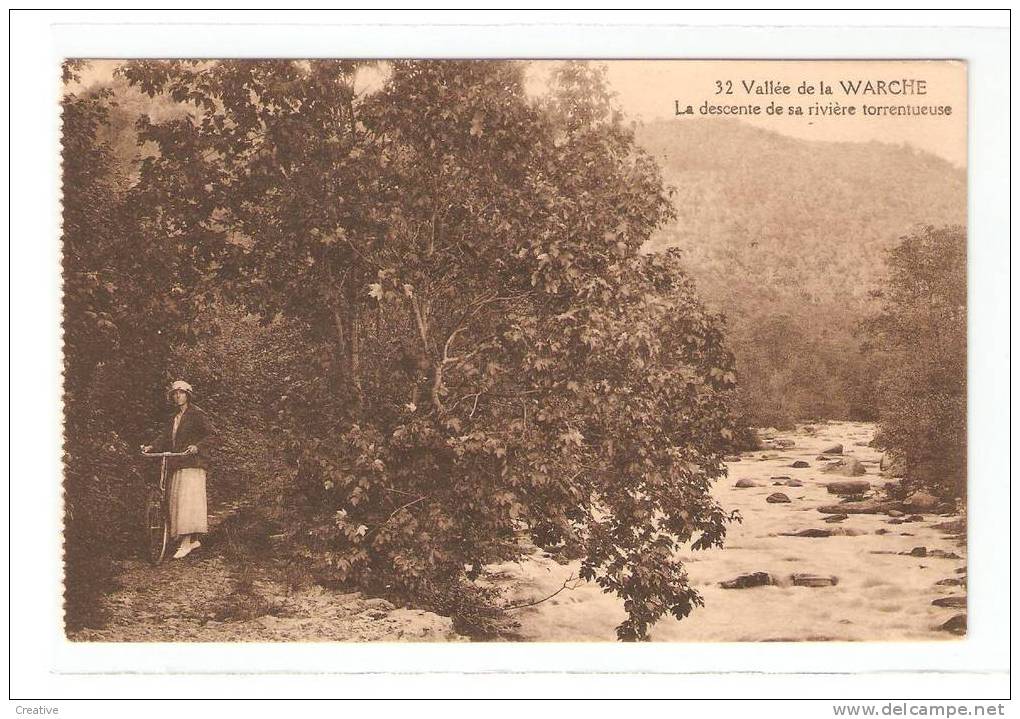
(157, 515)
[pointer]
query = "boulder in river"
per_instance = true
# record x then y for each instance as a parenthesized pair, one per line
(833, 449)
(954, 602)
(784, 443)
(833, 519)
(870, 506)
(777, 498)
(956, 526)
(746, 484)
(925, 552)
(814, 580)
(731, 458)
(813, 533)
(793, 483)
(895, 513)
(819, 533)
(851, 487)
(920, 502)
(951, 582)
(956, 625)
(847, 467)
(800, 464)
(745, 581)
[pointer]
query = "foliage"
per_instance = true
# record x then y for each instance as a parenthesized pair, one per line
(124, 305)
(240, 367)
(99, 486)
(921, 329)
(786, 237)
(485, 350)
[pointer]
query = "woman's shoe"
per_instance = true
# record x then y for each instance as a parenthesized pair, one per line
(184, 550)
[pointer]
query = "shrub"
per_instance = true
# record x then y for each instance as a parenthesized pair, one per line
(920, 333)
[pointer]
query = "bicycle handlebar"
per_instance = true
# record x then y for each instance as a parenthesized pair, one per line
(166, 454)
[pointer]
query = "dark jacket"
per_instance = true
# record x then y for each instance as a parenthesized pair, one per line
(194, 429)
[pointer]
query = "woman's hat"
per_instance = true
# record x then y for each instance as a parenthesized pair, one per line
(181, 385)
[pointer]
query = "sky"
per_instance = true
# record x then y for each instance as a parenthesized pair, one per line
(648, 90)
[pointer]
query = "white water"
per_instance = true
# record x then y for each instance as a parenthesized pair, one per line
(879, 597)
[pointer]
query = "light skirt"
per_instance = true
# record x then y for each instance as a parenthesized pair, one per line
(188, 503)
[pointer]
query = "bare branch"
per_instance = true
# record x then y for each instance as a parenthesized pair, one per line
(570, 583)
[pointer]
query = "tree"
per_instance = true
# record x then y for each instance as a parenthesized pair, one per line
(491, 354)
(920, 332)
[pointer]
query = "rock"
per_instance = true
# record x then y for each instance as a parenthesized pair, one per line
(813, 533)
(871, 506)
(833, 449)
(780, 478)
(942, 554)
(951, 582)
(819, 533)
(882, 531)
(847, 467)
(895, 513)
(953, 602)
(777, 498)
(746, 581)
(836, 518)
(914, 518)
(746, 484)
(824, 458)
(916, 552)
(896, 520)
(814, 580)
(956, 625)
(800, 464)
(785, 443)
(920, 502)
(945, 508)
(851, 487)
(731, 458)
(960, 570)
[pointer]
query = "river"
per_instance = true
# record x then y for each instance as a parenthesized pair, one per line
(882, 592)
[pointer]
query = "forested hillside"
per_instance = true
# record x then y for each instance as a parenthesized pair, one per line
(787, 238)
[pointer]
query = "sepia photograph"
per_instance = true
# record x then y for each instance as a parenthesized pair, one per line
(422, 350)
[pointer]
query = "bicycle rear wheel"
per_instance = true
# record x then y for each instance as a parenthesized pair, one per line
(157, 526)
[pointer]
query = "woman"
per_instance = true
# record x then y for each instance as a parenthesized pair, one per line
(187, 431)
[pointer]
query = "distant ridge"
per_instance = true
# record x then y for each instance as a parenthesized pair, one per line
(787, 237)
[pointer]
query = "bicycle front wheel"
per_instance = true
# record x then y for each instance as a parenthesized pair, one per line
(157, 526)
